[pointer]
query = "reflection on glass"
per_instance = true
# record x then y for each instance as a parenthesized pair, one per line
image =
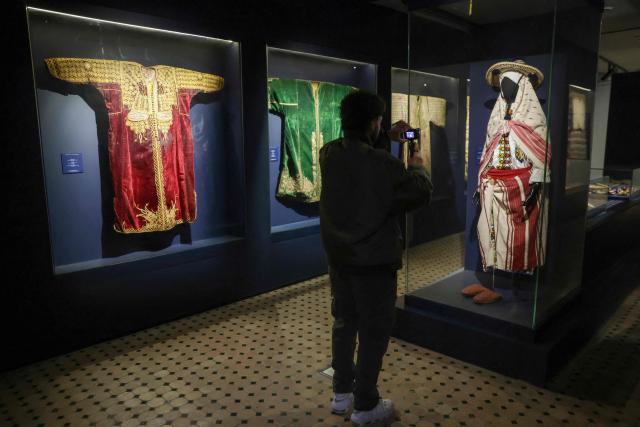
(579, 123)
(421, 112)
(598, 190)
(466, 140)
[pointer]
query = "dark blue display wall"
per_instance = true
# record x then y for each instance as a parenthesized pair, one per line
(74, 121)
(43, 313)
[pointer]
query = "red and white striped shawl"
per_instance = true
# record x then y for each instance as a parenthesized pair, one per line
(527, 129)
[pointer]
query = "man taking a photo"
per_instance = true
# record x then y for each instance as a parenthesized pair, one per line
(365, 192)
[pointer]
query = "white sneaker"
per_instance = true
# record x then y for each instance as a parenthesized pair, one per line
(383, 411)
(341, 403)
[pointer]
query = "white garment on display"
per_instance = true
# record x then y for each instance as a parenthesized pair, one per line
(526, 108)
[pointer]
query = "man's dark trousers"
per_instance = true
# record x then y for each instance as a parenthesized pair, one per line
(363, 304)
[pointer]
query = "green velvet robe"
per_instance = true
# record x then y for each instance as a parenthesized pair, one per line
(311, 114)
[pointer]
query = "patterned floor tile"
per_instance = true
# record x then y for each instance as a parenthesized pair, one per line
(257, 362)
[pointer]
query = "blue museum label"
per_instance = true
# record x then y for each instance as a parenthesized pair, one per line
(274, 154)
(453, 157)
(72, 163)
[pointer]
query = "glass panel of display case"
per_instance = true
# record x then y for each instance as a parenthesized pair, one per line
(294, 140)
(580, 106)
(598, 192)
(141, 137)
(635, 183)
(504, 246)
(623, 183)
(430, 103)
(397, 109)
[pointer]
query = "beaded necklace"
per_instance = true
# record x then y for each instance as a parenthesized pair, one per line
(504, 150)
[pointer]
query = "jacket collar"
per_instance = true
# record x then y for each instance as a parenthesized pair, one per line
(351, 135)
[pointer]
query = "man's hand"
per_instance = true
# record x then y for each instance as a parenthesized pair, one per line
(531, 198)
(415, 161)
(397, 129)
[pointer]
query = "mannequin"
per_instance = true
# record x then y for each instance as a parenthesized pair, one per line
(509, 87)
(513, 166)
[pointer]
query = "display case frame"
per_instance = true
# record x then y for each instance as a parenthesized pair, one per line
(579, 125)
(598, 193)
(290, 218)
(535, 299)
(445, 212)
(79, 170)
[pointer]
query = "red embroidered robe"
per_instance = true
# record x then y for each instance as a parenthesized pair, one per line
(150, 141)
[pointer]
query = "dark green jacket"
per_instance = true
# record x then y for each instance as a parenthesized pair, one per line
(364, 195)
(311, 114)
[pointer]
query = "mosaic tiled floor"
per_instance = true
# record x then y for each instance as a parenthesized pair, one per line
(257, 363)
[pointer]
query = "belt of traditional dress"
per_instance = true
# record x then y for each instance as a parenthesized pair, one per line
(503, 174)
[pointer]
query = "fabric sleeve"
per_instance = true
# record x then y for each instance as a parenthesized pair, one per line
(538, 175)
(411, 187)
(273, 102)
(197, 81)
(537, 161)
(84, 70)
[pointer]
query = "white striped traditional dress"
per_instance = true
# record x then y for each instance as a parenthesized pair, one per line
(515, 154)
